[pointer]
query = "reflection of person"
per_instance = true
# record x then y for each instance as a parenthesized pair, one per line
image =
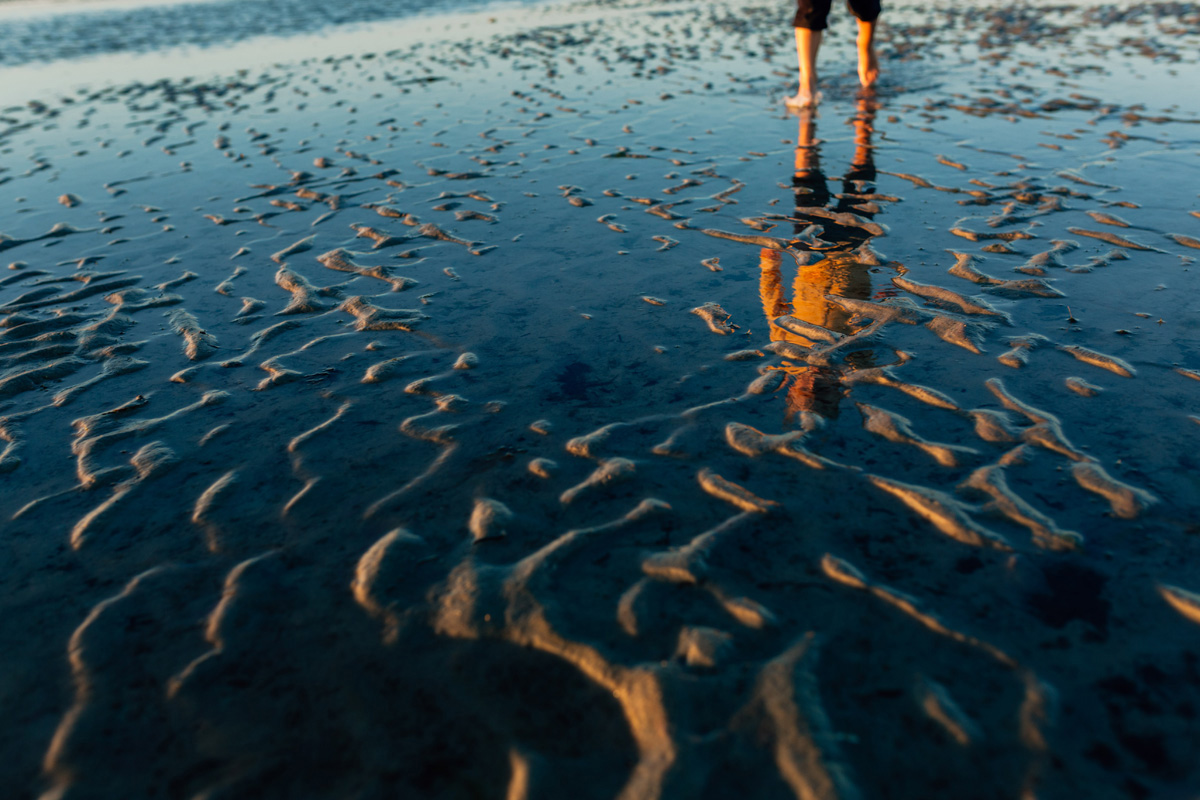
(810, 24)
(844, 227)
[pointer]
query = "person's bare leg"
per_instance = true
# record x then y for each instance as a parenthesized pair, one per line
(808, 42)
(868, 62)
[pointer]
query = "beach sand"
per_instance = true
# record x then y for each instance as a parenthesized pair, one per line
(536, 409)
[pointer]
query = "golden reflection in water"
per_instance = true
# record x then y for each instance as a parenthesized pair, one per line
(834, 241)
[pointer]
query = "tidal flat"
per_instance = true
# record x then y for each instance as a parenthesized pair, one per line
(521, 403)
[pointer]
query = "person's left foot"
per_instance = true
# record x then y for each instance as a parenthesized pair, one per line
(868, 68)
(803, 99)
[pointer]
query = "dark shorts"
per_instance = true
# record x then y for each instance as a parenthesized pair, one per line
(812, 14)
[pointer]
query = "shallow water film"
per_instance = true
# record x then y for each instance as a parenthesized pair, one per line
(531, 407)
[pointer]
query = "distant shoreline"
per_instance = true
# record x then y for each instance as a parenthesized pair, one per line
(18, 8)
(47, 31)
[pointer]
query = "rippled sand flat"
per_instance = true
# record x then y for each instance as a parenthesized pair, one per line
(549, 414)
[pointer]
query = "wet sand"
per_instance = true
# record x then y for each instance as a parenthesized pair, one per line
(541, 411)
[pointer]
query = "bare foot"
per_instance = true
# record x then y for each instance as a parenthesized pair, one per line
(805, 98)
(868, 67)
